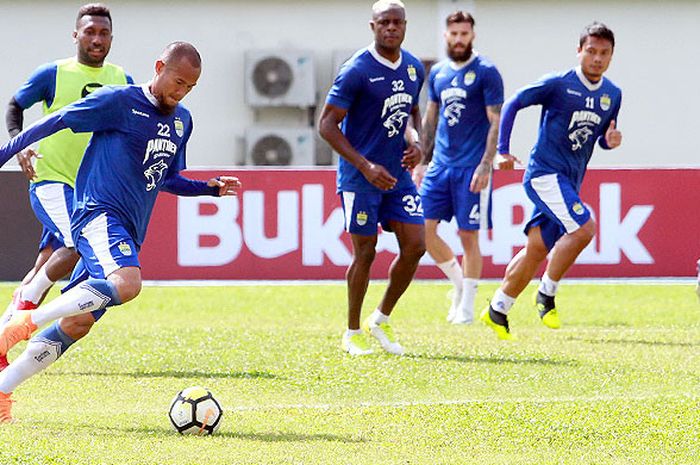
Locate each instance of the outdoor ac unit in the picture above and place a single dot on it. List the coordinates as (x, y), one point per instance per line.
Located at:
(280, 146)
(277, 78)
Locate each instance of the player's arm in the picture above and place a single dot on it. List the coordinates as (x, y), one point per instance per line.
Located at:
(413, 154)
(483, 172)
(39, 87)
(37, 131)
(612, 138)
(219, 186)
(79, 116)
(331, 117)
(429, 126)
(14, 117)
(537, 93)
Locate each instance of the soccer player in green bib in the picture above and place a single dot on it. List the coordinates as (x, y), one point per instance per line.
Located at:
(52, 178)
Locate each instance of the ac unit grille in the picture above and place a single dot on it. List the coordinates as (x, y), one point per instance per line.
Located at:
(272, 77)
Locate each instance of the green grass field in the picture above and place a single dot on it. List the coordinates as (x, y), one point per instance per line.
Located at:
(619, 384)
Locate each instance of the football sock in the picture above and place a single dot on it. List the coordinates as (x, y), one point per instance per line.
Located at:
(547, 286)
(352, 332)
(34, 289)
(378, 317)
(501, 302)
(41, 351)
(88, 296)
(453, 271)
(469, 286)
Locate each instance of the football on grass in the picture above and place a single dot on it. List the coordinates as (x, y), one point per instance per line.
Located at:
(195, 411)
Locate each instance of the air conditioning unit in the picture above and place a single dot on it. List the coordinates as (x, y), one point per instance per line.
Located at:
(276, 78)
(278, 146)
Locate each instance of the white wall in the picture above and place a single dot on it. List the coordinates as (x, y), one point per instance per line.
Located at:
(652, 64)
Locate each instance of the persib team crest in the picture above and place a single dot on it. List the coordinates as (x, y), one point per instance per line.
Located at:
(577, 208)
(125, 249)
(605, 102)
(179, 127)
(412, 73)
(361, 218)
(469, 78)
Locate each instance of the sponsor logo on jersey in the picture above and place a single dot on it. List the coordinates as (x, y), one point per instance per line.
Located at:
(361, 218)
(454, 82)
(396, 105)
(605, 102)
(469, 78)
(577, 208)
(89, 89)
(140, 113)
(579, 138)
(574, 92)
(453, 112)
(154, 174)
(376, 79)
(412, 73)
(179, 127)
(125, 249)
(159, 148)
(584, 117)
(452, 99)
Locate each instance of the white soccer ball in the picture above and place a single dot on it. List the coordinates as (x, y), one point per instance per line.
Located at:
(195, 411)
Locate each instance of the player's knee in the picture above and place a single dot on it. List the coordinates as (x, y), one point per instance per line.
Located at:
(414, 250)
(536, 250)
(365, 254)
(77, 327)
(129, 290)
(588, 231)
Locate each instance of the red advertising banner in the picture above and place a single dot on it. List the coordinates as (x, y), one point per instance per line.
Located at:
(288, 224)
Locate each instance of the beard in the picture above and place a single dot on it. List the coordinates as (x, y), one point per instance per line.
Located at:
(462, 55)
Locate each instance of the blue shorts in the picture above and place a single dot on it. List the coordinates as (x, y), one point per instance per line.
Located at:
(558, 208)
(364, 211)
(104, 246)
(445, 193)
(52, 203)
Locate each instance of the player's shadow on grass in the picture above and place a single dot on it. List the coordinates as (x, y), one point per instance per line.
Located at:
(634, 342)
(494, 359)
(277, 436)
(177, 374)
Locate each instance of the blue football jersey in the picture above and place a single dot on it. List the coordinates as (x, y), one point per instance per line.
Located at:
(134, 148)
(379, 97)
(462, 94)
(575, 114)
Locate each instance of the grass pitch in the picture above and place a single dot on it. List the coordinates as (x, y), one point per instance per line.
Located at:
(618, 384)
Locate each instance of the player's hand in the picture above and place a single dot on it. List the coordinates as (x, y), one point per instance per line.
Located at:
(613, 137)
(506, 161)
(378, 176)
(24, 158)
(480, 179)
(228, 185)
(419, 173)
(412, 156)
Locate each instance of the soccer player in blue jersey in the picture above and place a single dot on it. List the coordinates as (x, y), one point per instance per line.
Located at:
(460, 131)
(374, 95)
(579, 110)
(137, 149)
(57, 84)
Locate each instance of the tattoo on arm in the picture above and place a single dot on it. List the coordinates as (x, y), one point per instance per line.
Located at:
(494, 114)
(428, 135)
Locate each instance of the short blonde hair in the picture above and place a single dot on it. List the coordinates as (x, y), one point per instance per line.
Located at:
(383, 5)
